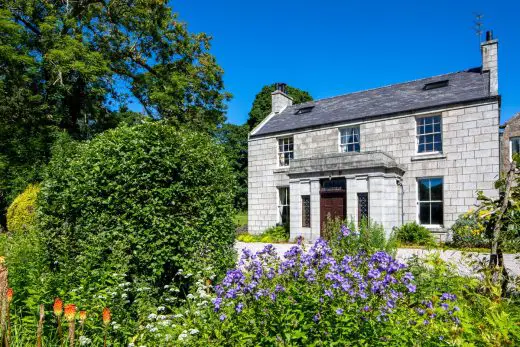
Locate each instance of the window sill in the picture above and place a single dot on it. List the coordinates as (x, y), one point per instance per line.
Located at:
(434, 228)
(281, 169)
(429, 156)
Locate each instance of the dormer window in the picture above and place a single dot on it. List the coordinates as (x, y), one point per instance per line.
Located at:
(436, 85)
(285, 151)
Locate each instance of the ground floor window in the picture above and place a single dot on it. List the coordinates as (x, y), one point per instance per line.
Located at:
(306, 211)
(362, 206)
(283, 205)
(430, 201)
(515, 146)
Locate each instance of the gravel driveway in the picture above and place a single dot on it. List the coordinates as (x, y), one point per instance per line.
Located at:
(461, 259)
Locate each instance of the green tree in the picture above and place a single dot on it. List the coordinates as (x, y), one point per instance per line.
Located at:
(262, 103)
(74, 66)
(234, 139)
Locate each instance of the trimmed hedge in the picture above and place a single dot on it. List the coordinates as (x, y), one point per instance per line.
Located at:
(144, 202)
(415, 234)
(21, 213)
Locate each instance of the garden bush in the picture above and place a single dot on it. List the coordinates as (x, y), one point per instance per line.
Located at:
(21, 213)
(369, 236)
(414, 234)
(469, 231)
(276, 234)
(127, 211)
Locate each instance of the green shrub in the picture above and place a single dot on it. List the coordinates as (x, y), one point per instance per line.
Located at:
(369, 236)
(415, 234)
(276, 234)
(127, 211)
(469, 232)
(21, 213)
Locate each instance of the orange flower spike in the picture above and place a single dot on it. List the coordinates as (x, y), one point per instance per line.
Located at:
(106, 316)
(70, 312)
(82, 316)
(58, 307)
(10, 294)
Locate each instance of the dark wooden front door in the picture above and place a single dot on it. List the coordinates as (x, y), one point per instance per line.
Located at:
(332, 200)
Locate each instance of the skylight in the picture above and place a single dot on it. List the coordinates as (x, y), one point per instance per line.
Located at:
(435, 85)
(303, 110)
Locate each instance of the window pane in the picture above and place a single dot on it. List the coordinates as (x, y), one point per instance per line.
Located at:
(436, 188)
(515, 145)
(424, 190)
(437, 138)
(428, 128)
(356, 147)
(306, 211)
(436, 213)
(437, 127)
(429, 147)
(424, 213)
(421, 148)
(437, 147)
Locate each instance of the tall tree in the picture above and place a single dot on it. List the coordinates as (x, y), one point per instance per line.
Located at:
(74, 66)
(234, 139)
(262, 103)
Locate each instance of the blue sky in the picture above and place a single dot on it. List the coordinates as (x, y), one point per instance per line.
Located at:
(336, 47)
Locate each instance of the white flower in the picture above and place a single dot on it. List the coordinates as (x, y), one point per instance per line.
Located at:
(178, 315)
(131, 344)
(190, 296)
(83, 341)
(161, 308)
(152, 316)
(183, 336)
(194, 331)
(161, 317)
(154, 329)
(124, 296)
(165, 322)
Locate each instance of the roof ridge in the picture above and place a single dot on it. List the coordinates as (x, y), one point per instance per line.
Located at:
(382, 87)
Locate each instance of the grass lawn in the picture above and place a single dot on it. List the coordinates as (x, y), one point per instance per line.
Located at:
(240, 218)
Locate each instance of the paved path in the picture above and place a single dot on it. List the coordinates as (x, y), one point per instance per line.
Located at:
(461, 259)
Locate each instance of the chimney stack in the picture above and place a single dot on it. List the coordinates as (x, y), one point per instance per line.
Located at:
(279, 99)
(489, 50)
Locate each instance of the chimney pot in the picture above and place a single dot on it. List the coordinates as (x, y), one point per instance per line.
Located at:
(489, 35)
(279, 99)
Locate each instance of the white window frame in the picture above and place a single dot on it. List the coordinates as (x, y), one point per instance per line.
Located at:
(285, 203)
(432, 226)
(511, 146)
(344, 146)
(281, 153)
(433, 133)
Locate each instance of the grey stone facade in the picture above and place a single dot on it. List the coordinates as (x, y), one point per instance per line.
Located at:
(387, 167)
(469, 162)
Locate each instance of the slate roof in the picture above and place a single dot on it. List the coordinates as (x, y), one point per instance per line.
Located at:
(464, 86)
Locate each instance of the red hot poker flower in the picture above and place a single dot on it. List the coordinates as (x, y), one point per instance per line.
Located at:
(58, 307)
(10, 294)
(70, 312)
(82, 316)
(106, 316)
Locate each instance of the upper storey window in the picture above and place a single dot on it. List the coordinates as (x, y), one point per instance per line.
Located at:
(349, 139)
(429, 134)
(285, 151)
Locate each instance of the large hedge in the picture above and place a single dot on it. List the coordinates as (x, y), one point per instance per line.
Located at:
(21, 213)
(143, 202)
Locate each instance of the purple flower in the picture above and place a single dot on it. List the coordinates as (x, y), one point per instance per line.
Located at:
(329, 293)
(345, 231)
(411, 287)
(222, 317)
(426, 322)
(239, 307)
(279, 288)
(316, 317)
(216, 304)
(445, 306)
(339, 311)
(448, 297)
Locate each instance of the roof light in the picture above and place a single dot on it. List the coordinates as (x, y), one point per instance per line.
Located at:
(435, 85)
(303, 110)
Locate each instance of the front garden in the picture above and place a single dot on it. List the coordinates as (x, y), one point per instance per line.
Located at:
(128, 241)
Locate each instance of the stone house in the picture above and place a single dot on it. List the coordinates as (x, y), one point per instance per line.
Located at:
(415, 151)
(509, 141)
